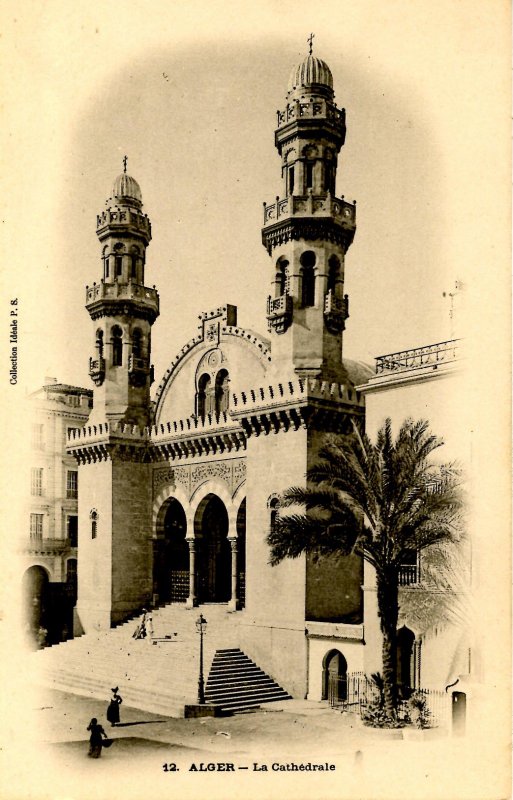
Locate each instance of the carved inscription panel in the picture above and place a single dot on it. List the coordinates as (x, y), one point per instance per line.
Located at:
(231, 471)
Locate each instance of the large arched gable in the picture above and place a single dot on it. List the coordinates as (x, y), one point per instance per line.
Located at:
(243, 355)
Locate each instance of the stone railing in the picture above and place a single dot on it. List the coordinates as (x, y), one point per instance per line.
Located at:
(123, 217)
(408, 575)
(310, 205)
(418, 357)
(129, 291)
(315, 108)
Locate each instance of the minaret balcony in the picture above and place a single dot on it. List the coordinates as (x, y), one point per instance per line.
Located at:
(336, 311)
(118, 219)
(311, 205)
(139, 370)
(97, 370)
(100, 294)
(279, 312)
(317, 108)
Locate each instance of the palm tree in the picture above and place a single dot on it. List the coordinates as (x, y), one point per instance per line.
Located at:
(379, 501)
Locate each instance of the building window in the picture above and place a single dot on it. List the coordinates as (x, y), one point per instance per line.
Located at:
(36, 527)
(291, 180)
(203, 398)
(281, 277)
(333, 273)
(94, 523)
(409, 569)
(307, 279)
(37, 436)
(36, 481)
(118, 260)
(73, 531)
(117, 346)
(222, 397)
(309, 174)
(107, 267)
(273, 504)
(72, 484)
(137, 343)
(134, 255)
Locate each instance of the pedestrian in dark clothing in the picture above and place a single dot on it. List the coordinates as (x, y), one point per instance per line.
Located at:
(95, 740)
(113, 707)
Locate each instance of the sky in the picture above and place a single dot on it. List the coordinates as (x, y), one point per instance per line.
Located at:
(189, 92)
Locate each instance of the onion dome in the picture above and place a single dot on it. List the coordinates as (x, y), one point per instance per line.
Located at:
(126, 187)
(312, 71)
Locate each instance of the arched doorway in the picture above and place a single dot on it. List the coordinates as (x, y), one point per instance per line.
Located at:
(241, 554)
(213, 551)
(171, 555)
(405, 640)
(334, 677)
(36, 600)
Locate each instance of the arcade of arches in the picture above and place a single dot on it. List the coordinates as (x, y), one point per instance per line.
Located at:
(199, 559)
(48, 606)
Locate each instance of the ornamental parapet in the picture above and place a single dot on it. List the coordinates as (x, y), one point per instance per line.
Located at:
(320, 108)
(122, 291)
(338, 209)
(194, 436)
(294, 404)
(118, 218)
(419, 357)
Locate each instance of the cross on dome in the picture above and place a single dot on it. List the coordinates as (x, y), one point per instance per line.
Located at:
(310, 41)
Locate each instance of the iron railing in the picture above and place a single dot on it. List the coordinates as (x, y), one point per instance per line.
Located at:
(418, 357)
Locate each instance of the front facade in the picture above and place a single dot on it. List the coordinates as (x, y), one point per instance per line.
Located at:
(176, 498)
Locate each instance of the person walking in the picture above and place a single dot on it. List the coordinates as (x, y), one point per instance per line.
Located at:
(113, 707)
(95, 739)
(140, 631)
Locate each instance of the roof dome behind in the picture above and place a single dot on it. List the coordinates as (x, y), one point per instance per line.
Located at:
(311, 71)
(126, 186)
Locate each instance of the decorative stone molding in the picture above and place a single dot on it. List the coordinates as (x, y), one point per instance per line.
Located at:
(232, 472)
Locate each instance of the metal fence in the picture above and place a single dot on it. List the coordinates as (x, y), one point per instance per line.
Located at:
(356, 690)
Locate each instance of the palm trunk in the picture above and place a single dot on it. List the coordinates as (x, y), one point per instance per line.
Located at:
(388, 606)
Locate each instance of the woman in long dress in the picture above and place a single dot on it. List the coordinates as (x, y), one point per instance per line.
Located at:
(95, 739)
(113, 707)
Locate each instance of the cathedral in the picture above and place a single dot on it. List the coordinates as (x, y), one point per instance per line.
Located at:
(179, 488)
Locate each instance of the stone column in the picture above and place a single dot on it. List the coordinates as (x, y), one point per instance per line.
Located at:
(233, 601)
(192, 600)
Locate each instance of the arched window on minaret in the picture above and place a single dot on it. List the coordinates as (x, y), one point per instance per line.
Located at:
(333, 272)
(99, 342)
(105, 258)
(290, 175)
(307, 262)
(134, 257)
(222, 391)
(137, 343)
(117, 346)
(118, 260)
(281, 280)
(201, 397)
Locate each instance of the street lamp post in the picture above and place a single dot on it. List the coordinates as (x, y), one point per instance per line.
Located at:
(201, 624)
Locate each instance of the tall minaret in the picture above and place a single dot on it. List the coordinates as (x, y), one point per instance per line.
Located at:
(308, 231)
(123, 309)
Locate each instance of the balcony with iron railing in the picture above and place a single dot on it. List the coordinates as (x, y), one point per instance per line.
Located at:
(418, 357)
(51, 545)
(409, 575)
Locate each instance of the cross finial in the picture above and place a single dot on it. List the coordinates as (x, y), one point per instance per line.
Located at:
(310, 41)
(125, 160)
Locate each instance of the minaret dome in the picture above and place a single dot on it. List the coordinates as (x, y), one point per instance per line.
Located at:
(311, 72)
(126, 189)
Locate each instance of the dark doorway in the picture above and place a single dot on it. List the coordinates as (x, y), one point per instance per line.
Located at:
(334, 676)
(459, 713)
(36, 602)
(171, 555)
(214, 553)
(241, 554)
(405, 640)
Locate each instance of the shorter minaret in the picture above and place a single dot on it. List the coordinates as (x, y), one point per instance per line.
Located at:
(123, 309)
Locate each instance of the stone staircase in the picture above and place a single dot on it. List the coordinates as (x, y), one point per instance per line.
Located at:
(159, 675)
(235, 683)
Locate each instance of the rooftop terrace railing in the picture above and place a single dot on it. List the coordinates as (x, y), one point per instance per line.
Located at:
(418, 357)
